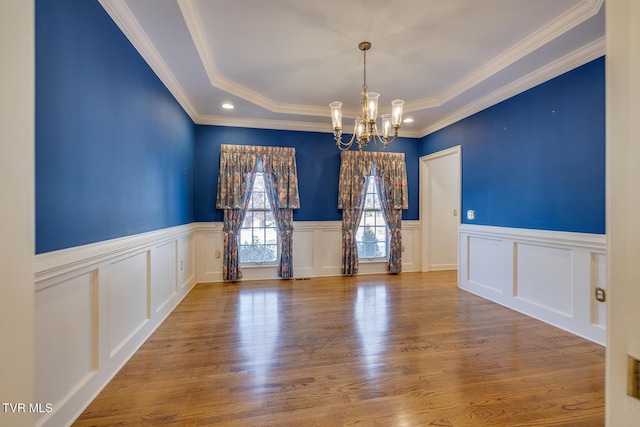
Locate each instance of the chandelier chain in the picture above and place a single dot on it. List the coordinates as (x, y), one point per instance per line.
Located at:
(364, 84)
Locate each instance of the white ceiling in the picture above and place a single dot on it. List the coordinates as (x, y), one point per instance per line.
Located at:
(281, 62)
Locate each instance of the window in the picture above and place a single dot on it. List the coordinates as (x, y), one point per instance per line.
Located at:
(259, 232)
(371, 236)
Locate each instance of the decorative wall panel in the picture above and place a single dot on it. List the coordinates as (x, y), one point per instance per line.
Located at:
(65, 337)
(548, 275)
(484, 268)
(164, 275)
(543, 277)
(94, 310)
(128, 299)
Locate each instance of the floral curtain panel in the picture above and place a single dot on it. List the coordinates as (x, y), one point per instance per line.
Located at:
(284, 220)
(233, 219)
(390, 170)
(238, 160)
(393, 217)
(238, 164)
(356, 165)
(350, 222)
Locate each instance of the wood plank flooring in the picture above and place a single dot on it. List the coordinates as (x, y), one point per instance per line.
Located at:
(382, 350)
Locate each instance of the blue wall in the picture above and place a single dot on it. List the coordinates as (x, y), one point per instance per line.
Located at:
(114, 150)
(536, 160)
(317, 161)
(116, 155)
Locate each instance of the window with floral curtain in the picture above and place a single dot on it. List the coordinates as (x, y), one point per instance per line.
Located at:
(258, 242)
(372, 237)
(390, 173)
(238, 169)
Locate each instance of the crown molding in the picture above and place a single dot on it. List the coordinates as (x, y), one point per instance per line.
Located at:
(264, 123)
(552, 30)
(130, 27)
(575, 59)
(191, 16)
(560, 25)
(596, 4)
(126, 21)
(284, 125)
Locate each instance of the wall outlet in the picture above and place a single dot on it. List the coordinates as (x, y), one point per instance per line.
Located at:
(471, 214)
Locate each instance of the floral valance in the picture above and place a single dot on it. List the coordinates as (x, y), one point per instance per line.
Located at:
(356, 165)
(237, 161)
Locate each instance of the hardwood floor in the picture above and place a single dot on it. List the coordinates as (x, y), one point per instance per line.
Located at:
(381, 350)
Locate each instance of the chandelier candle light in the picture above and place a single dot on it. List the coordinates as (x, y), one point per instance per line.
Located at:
(365, 126)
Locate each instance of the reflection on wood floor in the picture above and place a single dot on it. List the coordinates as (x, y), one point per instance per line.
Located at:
(378, 350)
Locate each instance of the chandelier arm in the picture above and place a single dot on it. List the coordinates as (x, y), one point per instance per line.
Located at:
(340, 143)
(384, 141)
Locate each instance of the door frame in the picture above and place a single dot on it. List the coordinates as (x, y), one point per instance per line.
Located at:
(425, 207)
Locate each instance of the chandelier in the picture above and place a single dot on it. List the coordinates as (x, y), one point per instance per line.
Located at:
(365, 128)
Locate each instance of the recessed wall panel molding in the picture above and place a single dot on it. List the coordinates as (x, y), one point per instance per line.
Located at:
(317, 247)
(543, 277)
(128, 299)
(304, 260)
(548, 275)
(484, 268)
(164, 275)
(328, 249)
(65, 338)
(94, 310)
(209, 244)
(186, 261)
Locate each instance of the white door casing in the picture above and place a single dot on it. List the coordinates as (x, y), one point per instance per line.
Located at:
(440, 204)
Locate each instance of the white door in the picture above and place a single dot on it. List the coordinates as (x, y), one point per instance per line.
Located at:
(623, 207)
(440, 209)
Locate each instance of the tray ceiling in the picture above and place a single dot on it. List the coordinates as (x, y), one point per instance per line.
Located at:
(281, 62)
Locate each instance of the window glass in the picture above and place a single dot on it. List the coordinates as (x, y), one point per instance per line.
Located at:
(372, 236)
(259, 233)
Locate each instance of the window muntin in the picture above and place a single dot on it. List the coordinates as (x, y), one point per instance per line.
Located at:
(259, 232)
(372, 235)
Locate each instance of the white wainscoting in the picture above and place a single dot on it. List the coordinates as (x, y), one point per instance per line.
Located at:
(95, 305)
(317, 249)
(548, 275)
